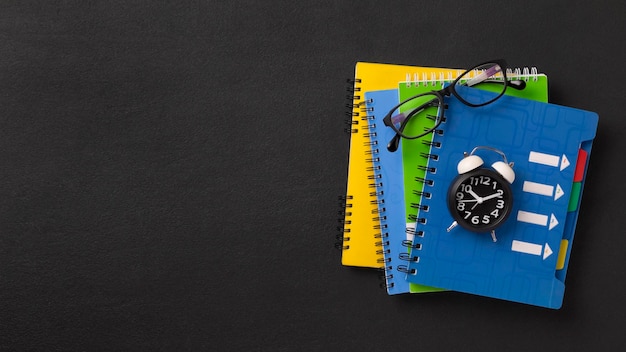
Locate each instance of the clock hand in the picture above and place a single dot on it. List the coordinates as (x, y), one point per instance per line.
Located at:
(495, 195)
(476, 196)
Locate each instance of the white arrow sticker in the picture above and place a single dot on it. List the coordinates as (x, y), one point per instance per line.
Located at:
(546, 251)
(531, 248)
(559, 192)
(553, 222)
(544, 159)
(564, 162)
(532, 218)
(537, 219)
(549, 160)
(538, 188)
(543, 190)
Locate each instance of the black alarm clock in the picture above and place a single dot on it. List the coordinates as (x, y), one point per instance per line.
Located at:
(479, 198)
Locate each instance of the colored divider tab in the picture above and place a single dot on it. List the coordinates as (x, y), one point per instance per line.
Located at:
(560, 260)
(581, 162)
(575, 196)
(579, 174)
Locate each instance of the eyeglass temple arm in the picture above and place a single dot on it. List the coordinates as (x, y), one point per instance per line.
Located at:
(483, 75)
(403, 117)
(518, 84)
(394, 143)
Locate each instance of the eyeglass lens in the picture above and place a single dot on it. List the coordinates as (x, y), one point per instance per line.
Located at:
(417, 116)
(489, 76)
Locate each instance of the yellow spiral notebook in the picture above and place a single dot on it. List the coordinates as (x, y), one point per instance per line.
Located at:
(361, 236)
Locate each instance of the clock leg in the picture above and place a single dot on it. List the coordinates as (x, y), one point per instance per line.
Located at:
(493, 235)
(453, 225)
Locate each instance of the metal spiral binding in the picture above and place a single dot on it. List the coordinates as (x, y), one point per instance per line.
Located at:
(379, 216)
(430, 169)
(370, 135)
(524, 73)
(380, 234)
(383, 250)
(413, 232)
(433, 118)
(375, 185)
(432, 157)
(415, 218)
(432, 79)
(410, 244)
(426, 195)
(383, 260)
(407, 257)
(353, 103)
(429, 156)
(432, 143)
(437, 79)
(344, 219)
(376, 193)
(386, 276)
(412, 255)
(419, 206)
(371, 143)
(380, 227)
(405, 269)
(373, 168)
(424, 181)
(352, 126)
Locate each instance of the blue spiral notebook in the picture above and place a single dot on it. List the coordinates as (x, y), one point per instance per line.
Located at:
(387, 167)
(550, 146)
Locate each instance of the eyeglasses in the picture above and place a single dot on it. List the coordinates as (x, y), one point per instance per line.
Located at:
(430, 105)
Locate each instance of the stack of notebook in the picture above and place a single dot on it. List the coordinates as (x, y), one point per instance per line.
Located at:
(395, 217)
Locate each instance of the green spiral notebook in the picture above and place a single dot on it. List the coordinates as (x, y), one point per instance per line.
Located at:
(414, 160)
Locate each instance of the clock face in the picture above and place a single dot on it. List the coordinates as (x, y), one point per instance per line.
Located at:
(480, 200)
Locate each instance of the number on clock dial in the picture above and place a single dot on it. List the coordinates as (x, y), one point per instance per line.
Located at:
(479, 200)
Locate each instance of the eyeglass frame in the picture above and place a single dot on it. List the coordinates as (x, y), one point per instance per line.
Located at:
(438, 101)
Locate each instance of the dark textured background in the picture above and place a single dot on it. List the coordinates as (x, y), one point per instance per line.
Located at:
(169, 173)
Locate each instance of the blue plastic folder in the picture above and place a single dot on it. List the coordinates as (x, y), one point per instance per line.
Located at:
(550, 146)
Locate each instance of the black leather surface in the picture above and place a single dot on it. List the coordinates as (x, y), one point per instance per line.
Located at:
(169, 174)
